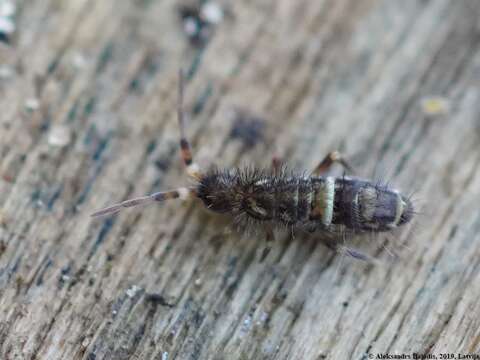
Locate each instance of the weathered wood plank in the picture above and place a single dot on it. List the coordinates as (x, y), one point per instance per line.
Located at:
(88, 118)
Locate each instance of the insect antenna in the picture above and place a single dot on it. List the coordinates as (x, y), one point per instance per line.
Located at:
(192, 168)
(182, 193)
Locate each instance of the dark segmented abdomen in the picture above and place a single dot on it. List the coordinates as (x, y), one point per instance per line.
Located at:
(357, 204)
(327, 201)
(293, 199)
(363, 206)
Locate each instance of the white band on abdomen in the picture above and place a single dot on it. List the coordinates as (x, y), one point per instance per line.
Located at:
(399, 210)
(328, 201)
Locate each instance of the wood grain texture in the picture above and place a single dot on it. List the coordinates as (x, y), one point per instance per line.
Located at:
(88, 95)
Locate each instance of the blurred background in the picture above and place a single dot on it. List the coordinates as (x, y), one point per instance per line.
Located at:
(88, 95)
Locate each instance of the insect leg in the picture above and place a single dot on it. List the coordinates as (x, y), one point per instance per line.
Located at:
(269, 238)
(182, 193)
(345, 250)
(276, 164)
(192, 168)
(331, 158)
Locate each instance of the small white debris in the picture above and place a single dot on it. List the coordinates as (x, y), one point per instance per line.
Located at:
(32, 104)
(6, 72)
(59, 135)
(263, 318)
(247, 324)
(7, 8)
(79, 61)
(198, 282)
(165, 355)
(86, 342)
(7, 25)
(435, 105)
(133, 291)
(190, 26)
(212, 12)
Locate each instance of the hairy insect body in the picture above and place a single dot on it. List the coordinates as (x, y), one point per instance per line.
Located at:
(278, 197)
(314, 202)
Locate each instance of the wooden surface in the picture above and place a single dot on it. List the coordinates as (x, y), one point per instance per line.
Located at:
(88, 94)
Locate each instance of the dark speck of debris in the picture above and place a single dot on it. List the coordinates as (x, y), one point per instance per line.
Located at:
(106, 227)
(64, 276)
(345, 304)
(66, 270)
(202, 100)
(158, 299)
(54, 197)
(198, 21)
(3, 247)
(164, 161)
(4, 38)
(162, 164)
(89, 106)
(247, 128)
(105, 57)
(151, 146)
(36, 198)
(48, 264)
(280, 297)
